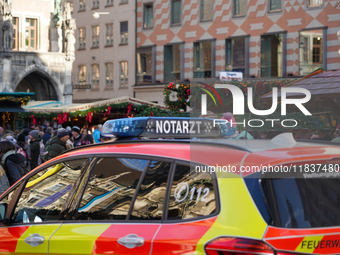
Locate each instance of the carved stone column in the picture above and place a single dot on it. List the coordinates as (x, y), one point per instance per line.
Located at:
(69, 46)
(7, 37)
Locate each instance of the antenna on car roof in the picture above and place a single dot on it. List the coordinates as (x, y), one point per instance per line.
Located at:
(284, 140)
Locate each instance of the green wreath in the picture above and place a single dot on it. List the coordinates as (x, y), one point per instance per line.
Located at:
(183, 93)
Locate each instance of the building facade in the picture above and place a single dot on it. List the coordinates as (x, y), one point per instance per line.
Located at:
(193, 40)
(105, 49)
(33, 49)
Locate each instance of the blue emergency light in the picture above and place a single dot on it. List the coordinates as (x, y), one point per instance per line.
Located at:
(161, 127)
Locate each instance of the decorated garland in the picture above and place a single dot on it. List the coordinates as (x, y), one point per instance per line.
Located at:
(19, 100)
(100, 109)
(181, 92)
(158, 112)
(130, 109)
(6, 117)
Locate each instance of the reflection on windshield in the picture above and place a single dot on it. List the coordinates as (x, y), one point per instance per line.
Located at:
(192, 194)
(110, 189)
(150, 199)
(46, 192)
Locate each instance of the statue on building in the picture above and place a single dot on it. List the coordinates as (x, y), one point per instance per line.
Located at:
(68, 16)
(6, 8)
(37, 62)
(57, 11)
(8, 33)
(70, 40)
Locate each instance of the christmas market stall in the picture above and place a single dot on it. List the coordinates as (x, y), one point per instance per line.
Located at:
(11, 104)
(91, 114)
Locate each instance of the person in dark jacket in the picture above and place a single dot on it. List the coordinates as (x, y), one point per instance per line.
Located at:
(87, 139)
(47, 135)
(8, 129)
(77, 136)
(35, 148)
(26, 133)
(1, 132)
(4, 183)
(58, 143)
(12, 162)
(25, 150)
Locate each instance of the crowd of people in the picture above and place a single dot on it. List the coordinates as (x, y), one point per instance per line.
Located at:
(20, 152)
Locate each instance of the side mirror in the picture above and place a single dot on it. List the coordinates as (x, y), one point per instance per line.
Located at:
(3, 210)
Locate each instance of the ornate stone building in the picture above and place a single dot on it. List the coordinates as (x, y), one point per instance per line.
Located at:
(37, 48)
(179, 40)
(104, 67)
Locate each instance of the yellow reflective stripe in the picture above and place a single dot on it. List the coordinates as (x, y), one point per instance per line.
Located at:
(76, 238)
(238, 216)
(43, 230)
(308, 243)
(45, 175)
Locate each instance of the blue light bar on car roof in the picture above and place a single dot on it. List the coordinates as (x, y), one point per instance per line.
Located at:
(158, 127)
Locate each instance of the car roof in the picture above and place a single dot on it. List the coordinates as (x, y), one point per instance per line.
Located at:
(281, 142)
(266, 144)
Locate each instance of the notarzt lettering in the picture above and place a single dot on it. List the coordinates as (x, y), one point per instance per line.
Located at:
(178, 127)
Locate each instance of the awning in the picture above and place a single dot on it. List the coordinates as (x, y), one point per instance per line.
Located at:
(43, 104)
(324, 84)
(84, 107)
(10, 107)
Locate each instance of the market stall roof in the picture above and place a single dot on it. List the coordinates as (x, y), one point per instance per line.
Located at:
(83, 107)
(320, 84)
(10, 107)
(44, 104)
(17, 94)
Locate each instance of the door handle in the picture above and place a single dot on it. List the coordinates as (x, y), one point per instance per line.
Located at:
(34, 240)
(131, 241)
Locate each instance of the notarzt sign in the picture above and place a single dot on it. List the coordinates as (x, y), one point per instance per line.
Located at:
(180, 127)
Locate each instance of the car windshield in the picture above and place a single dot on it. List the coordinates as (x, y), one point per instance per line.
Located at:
(297, 201)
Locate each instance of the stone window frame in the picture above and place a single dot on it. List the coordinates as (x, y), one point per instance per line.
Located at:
(109, 81)
(82, 5)
(124, 35)
(201, 12)
(110, 35)
(233, 9)
(95, 36)
(171, 17)
(95, 76)
(81, 38)
(126, 78)
(144, 15)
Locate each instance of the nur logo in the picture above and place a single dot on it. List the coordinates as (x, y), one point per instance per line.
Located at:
(238, 99)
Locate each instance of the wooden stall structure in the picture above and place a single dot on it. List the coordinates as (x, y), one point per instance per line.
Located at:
(12, 103)
(87, 114)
